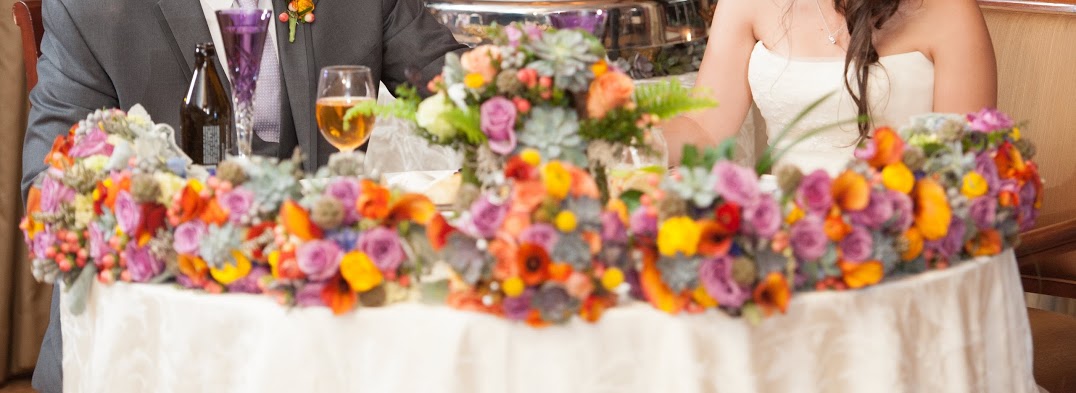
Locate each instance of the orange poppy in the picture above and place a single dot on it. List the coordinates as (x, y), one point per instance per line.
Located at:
(373, 200)
(985, 243)
(533, 264)
(889, 147)
(534, 319)
(296, 221)
(851, 191)
(715, 240)
(58, 156)
(773, 294)
(190, 204)
(836, 228)
(558, 271)
(657, 293)
(213, 213)
(932, 211)
(858, 275)
(594, 240)
(338, 295)
(505, 254)
(437, 231)
(412, 207)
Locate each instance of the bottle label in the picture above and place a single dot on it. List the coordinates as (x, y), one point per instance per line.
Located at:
(211, 145)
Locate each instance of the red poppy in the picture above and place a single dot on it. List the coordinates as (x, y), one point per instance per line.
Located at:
(518, 169)
(728, 215)
(533, 263)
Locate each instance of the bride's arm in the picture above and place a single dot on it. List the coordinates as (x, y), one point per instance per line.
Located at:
(965, 71)
(723, 74)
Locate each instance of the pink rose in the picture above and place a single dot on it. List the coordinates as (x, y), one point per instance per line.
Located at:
(54, 194)
(808, 239)
(514, 34)
(487, 217)
(141, 264)
(540, 234)
(237, 202)
(93, 143)
(736, 184)
(764, 217)
(128, 213)
(188, 236)
(715, 274)
(319, 259)
(498, 116)
(989, 120)
(815, 193)
(384, 249)
(482, 60)
(858, 245)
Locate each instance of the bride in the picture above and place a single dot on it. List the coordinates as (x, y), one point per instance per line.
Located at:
(887, 59)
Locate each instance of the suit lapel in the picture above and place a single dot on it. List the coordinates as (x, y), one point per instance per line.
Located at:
(300, 79)
(185, 20)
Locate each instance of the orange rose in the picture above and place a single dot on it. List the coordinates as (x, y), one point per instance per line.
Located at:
(609, 91)
(481, 60)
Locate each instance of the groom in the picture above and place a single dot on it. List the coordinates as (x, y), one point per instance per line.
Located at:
(117, 53)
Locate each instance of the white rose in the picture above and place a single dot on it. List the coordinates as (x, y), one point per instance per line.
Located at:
(429, 116)
(96, 162)
(170, 186)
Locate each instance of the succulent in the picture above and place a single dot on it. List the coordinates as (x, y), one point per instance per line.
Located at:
(554, 131)
(696, 186)
(571, 249)
(679, 272)
(217, 245)
(566, 56)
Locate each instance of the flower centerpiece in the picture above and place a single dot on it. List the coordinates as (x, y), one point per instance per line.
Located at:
(548, 90)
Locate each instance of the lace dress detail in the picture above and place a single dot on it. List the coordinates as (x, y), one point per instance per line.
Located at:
(901, 87)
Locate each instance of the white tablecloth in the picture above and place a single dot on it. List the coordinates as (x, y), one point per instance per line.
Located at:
(960, 330)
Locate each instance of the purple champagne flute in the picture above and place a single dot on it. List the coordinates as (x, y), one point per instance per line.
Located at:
(243, 31)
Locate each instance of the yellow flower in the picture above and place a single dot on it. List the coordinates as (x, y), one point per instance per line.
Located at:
(303, 5)
(795, 215)
(1015, 133)
(474, 80)
(231, 273)
(556, 179)
(612, 278)
(599, 68)
(360, 272)
(703, 298)
(898, 177)
(531, 156)
(679, 234)
(96, 163)
(565, 221)
(170, 186)
(974, 185)
(513, 286)
(83, 210)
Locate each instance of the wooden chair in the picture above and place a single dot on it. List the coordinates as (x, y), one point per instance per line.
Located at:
(27, 14)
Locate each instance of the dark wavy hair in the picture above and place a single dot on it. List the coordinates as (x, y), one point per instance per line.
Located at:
(863, 19)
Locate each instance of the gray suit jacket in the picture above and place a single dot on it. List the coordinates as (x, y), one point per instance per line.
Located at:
(117, 53)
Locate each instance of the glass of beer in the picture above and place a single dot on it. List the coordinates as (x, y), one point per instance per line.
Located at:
(339, 89)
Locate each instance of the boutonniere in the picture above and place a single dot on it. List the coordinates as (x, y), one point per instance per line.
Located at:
(299, 11)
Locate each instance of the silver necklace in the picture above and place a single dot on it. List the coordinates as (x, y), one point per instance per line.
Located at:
(832, 35)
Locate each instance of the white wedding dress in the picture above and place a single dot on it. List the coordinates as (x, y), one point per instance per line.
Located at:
(901, 87)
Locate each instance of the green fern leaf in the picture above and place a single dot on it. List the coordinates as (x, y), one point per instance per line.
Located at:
(666, 100)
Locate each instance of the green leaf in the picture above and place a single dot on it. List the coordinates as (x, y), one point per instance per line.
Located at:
(690, 156)
(468, 122)
(80, 289)
(666, 100)
(291, 29)
(434, 292)
(403, 108)
(631, 199)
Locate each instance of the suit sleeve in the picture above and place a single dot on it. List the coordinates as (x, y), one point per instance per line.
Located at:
(71, 84)
(413, 39)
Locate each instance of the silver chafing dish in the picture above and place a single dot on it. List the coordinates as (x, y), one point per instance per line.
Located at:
(646, 38)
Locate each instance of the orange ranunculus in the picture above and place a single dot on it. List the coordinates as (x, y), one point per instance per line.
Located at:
(303, 5)
(213, 213)
(58, 156)
(1009, 161)
(505, 254)
(914, 247)
(836, 228)
(609, 91)
(515, 222)
(558, 271)
(851, 191)
(657, 293)
(416, 208)
(338, 295)
(715, 240)
(889, 147)
(932, 211)
(284, 266)
(482, 60)
(583, 184)
(773, 294)
(985, 243)
(296, 221)
(373, 200)
(193, 267)
(437, 232)
(858, 275)
(190, 205)
(533, 264)
(527, 195)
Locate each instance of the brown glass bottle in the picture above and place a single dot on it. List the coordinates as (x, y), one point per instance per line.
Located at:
(207, 112)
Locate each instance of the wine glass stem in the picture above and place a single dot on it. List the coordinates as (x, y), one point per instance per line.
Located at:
(244, 126)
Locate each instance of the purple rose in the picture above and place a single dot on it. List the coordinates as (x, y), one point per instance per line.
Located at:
(487, 217)
(989, 120)
(318, 259)
(613, 229)
(983, 212)
(141, 264)
(716, 277)
(815, 193)
(543, 235)
(953, 241)
(93, 143)
(128, 213)
(763, 218)
(808, 239)
(383, 247)
(310, 295)
(519, 307)
(878, 211)
(42, 242)
(347, 192)
(249, 283)
(858, 245)
(644, 224)
(498, 118)
(735, 183)
(98, 245)
(985, 166)
(514, 34)
(188, 237)
(237, 202)
(902, 211)
(54, 194)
